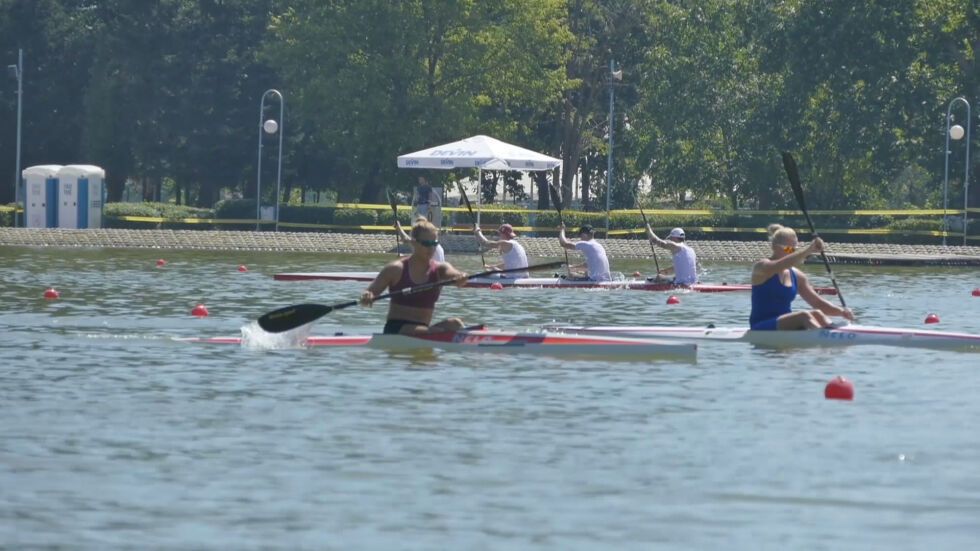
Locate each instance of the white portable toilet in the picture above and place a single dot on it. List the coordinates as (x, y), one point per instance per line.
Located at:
(40, 196)
(81, 189)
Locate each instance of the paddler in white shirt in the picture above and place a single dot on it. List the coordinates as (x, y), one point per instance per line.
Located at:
(510, 250)
(596, 263)
(439, 255)
(685, 260)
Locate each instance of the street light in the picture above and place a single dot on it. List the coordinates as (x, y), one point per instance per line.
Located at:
(17, 72)
(269, 126)
(956, 132)
(613, 76)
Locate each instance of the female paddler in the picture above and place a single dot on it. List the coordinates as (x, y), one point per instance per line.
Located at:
(776, 282)
(412, 313)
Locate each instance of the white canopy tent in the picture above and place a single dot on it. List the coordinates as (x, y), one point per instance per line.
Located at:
(482, 153)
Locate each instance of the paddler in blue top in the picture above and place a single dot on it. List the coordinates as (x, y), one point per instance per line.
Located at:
(776, 282)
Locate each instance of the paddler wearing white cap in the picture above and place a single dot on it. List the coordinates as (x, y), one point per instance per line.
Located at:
(685, 260)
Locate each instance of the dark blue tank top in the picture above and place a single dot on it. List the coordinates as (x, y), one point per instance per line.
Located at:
(771, 298)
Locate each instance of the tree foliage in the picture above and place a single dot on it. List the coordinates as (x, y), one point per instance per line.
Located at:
(711, 91)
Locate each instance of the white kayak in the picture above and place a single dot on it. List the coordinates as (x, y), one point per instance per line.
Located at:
(634, 284)
(845, 335)
(483, 340)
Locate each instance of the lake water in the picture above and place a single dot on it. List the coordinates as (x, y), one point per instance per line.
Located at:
(115, 436)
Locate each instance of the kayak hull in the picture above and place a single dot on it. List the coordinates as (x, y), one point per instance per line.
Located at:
(544, 343)
(847, 335)
(546, 282)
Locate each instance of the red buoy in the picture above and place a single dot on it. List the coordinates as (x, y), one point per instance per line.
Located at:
(200, 310)
(242, 268)
(637, 274)
(932, 318)
(51, 293)
(976, 292)
(496, 286)
(673, 300)
(839, 389)
(161, 262)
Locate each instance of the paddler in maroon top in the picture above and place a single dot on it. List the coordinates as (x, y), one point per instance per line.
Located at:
(412, 313)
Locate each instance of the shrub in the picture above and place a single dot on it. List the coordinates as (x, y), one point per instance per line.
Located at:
(513, 215)
(307, 214)
(355, 217)
(114, 212)
(7, 216)
(387, 217)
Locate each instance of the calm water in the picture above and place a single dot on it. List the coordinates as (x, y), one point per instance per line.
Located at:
(112, 435)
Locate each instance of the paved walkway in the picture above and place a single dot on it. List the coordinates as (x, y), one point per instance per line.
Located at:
(736, 251)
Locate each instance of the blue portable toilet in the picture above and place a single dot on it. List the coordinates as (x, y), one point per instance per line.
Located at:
(81, 192)
(40, 196)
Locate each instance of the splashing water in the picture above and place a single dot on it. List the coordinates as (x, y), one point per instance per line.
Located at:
(255, 338)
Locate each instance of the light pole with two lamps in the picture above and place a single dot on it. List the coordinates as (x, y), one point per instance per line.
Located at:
(17, 72)
(956, 132)
(269, 126)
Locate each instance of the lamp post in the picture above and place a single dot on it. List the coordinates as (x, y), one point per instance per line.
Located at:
(268, 127)
(956, 132)
(613, 76)
(17, 72)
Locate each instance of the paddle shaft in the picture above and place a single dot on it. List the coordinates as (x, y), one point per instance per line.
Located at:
(794, 179)
(297, 315)
(466, 201)
(653, 248)
(556, 199)
(394, 210)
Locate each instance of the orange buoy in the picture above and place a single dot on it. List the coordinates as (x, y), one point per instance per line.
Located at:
(51, 293)
(839, 389)
(932, 318)
(673, 300)
(200, 310)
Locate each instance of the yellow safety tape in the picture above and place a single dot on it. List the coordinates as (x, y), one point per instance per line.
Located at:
(525, 229)
(691, 212)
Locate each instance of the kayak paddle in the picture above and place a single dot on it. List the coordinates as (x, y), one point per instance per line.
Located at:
(556, 199)
(296, 315)
(466, 201)
(394, 209)
(652, 248)
(794, 179)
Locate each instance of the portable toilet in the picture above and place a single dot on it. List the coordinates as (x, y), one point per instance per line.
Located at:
(81, 189)
(40, 196)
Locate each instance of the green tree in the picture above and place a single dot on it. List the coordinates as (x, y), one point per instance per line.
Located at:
(375, 79)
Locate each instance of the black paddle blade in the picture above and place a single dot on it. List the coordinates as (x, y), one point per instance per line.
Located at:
(392, 202)
(293, 316)
(462, 194)
(794, 178)
(555, 197)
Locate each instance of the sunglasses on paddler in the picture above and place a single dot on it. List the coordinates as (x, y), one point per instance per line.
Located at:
(427, 243)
